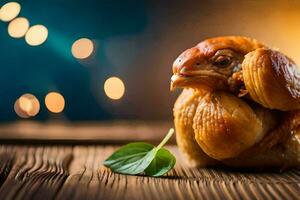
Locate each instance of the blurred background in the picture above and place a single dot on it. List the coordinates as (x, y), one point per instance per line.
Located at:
(111, 59)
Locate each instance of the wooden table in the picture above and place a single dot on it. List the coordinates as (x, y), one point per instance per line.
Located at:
(74, 170)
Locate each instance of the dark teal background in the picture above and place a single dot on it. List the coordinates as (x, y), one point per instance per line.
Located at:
(48, 67)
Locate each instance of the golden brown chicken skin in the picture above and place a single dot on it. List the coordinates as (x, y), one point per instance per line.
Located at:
(239, 104)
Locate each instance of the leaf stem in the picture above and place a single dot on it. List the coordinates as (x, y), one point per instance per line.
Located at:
(165, 140)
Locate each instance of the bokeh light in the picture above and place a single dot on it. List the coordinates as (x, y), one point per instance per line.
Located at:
(36, 35)
(27, 106)
(18, 27)
(9, 11)
(114, 88)
(55, 102)
(19, 111)
(82, 48)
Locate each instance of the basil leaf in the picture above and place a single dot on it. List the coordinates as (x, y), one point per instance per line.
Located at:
(132, 158)
(138, 157)
(163, 162)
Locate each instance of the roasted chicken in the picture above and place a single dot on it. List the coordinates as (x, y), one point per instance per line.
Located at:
(239, 104)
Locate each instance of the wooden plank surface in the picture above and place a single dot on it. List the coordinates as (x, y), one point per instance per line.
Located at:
(84, 132)
(76, 172)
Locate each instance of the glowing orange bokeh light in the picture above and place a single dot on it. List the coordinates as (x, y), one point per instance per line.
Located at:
(27, 106)
(9, 11)
(18, 27)
(114, 88)
(55, 102)
(82, 48)
(36, 35)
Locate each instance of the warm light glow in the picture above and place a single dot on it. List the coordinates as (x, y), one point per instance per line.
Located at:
(114, 88)
(36, 35)
(9, 11)
(55, 102)
(19, 111)
(27, 106)
(82, 48)
(18, 27)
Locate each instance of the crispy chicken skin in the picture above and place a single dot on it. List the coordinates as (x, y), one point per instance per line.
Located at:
(238, 106)
(184, 112)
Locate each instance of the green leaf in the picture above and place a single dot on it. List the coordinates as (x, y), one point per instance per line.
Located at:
(163, 162)
(138, 157)
(132, 158)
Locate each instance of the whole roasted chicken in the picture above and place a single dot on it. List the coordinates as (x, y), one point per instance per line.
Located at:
(239, 106)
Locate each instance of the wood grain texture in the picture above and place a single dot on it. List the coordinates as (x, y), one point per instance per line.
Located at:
(76, 172)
